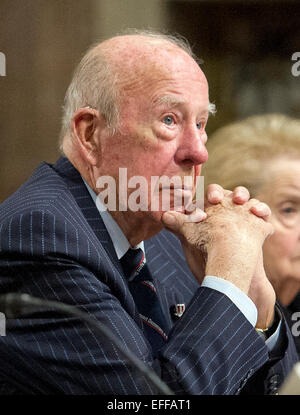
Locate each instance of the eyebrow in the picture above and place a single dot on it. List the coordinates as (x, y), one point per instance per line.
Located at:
(292, 193)
(172, 101)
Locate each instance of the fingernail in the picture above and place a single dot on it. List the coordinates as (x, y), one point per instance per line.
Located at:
(198, 217)
(216, 195)
(169, 219)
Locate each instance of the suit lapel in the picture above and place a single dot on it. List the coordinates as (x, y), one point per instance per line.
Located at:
(160, 251)
(87, 206)
(161, 267)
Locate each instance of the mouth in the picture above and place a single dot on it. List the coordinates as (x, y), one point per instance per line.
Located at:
(176, 192)
(174, 188)
(182, 195)
(177, 198)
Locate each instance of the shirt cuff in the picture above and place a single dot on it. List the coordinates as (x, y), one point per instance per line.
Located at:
(242, 301)
(272, 340)
(237, 296)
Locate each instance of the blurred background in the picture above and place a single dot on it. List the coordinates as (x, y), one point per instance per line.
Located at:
(246, 47)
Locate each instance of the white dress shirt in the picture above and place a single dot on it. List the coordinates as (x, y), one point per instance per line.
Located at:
(237, 296)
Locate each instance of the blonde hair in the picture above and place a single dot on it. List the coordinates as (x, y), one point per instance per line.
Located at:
(240, 152)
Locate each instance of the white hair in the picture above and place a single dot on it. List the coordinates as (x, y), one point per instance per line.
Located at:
(94, 83)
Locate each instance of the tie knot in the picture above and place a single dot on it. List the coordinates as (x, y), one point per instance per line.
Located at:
(132, 262)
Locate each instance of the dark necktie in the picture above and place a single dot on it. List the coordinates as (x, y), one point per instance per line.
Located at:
(142, 288)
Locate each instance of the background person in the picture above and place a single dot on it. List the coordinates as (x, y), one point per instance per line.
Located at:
(263, 154)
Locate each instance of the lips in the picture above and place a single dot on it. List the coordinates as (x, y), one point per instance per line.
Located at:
(180, 198)
(183, 188)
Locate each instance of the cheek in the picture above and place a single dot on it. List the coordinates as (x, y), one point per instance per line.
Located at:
(149, 163)
(278, 253)
(281, 244)
(156, 160)
(275, 259)
(285, 240)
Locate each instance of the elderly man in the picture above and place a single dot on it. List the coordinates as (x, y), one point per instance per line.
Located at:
(191, 299)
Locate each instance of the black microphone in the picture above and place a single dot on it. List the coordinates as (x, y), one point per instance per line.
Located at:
(15, 305)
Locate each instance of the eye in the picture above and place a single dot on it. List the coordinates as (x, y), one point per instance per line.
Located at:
(168, 120)
(200, 125)
(287, 210)
(289, 214)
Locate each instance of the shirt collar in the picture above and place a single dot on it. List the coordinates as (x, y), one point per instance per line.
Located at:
(119, 240)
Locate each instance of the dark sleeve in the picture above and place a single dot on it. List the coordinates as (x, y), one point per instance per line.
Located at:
(292, 315)
(269, 378)
(48, 352)
(212, 349)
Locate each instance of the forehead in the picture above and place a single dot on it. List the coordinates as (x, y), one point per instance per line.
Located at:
(166, 76)
(284, 177)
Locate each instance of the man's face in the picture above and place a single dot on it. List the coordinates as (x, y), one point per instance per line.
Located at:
(163, 115)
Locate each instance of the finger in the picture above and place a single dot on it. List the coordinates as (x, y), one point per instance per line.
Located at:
(214, 193)
(175, 220)
(240, 195)
(261, 210)
(196, 216)
(268, 229)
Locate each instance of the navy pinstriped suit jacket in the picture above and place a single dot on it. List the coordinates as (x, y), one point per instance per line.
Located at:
(53, 245)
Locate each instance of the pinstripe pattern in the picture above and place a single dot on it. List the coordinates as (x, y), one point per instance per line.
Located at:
(53, 244)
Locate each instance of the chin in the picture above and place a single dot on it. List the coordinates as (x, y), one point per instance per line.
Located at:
(156, 217)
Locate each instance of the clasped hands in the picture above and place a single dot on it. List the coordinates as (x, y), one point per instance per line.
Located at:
(226, 241)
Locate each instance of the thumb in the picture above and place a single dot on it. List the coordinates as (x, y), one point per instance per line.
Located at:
(175, 220)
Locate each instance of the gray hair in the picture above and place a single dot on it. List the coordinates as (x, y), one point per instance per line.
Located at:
(94, 83)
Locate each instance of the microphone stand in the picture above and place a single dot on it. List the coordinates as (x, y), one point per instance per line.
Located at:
(14, 305)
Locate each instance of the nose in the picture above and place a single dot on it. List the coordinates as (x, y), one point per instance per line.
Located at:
(192, 151)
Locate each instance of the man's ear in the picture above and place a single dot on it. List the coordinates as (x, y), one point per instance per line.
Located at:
(86, 125)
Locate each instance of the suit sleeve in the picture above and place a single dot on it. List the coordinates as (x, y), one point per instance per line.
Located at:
(212, 350)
